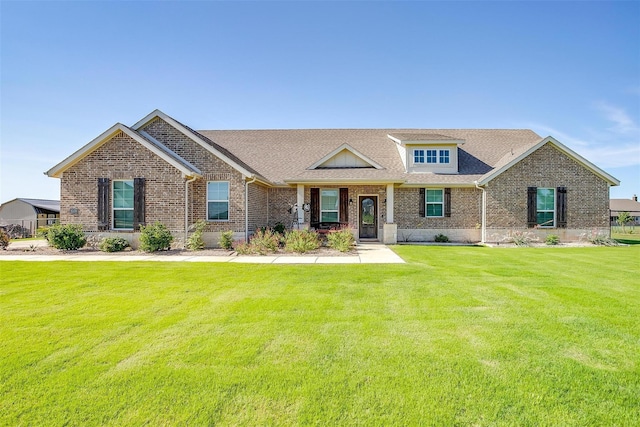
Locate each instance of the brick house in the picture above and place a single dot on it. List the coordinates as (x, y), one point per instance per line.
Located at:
(386, 184)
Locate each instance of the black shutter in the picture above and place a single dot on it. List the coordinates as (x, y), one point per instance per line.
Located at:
(103, 204)
(421, 207)
(447, 202)
(315, 207)
(532, 207)
(344, 205)
(138, 202)
(561, 207)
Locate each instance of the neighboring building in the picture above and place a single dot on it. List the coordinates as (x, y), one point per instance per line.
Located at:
(27, 215)
(625, 205)
(387, 184)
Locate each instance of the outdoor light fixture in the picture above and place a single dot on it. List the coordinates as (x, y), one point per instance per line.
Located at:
(350, 201)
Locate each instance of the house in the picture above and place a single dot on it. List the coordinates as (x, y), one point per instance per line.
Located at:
(386, 184)
(632, 206)
(24, 216)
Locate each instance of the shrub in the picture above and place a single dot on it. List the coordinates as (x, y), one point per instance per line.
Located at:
(16, 231)
(66, 237)
(279, 228)
(264, 241)
(226, 240)
(301, 241)
(520, 238)
(113, 244)
(4, 239)
(243, 247)
(341, 240)
(552, 239)
(599, 239)
(43, 233)
(195, 241)
(155, 237)
(441, 238)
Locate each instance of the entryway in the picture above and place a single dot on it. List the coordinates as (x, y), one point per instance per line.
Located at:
(368, 217)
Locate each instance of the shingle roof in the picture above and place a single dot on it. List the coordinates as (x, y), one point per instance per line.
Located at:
(49, 205)
(624, 205)
(283, 156)
(421, 137)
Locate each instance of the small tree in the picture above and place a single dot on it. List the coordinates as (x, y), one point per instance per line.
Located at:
(623, 219)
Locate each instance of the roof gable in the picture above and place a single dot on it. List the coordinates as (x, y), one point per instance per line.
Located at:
(345, 157)
(512, 158)
(154, 146)
(203, 141)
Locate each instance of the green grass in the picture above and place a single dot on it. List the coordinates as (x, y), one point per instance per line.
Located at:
(630, 235)
(458, 336)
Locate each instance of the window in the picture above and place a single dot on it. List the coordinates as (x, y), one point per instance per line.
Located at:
(418, 156)
(123, 204)
(545, 207)
(217, 201)
(432, 156)
(435, 203)
(329, 202)
(444, 156)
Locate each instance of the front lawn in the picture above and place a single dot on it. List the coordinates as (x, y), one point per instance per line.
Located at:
(458, 336)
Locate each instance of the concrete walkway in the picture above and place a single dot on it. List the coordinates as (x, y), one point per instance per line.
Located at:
(367, 253)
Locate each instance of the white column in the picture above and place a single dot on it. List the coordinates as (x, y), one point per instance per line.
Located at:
(389, 203)
(300, 202)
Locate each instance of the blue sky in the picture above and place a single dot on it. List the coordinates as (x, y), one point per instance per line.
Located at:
(70, 70)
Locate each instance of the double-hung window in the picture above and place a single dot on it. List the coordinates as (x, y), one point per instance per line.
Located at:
(329, 205)
(435, 203)
(418, 156)
(545, 207)
(217, 201)
(123, 204)
(444, 156)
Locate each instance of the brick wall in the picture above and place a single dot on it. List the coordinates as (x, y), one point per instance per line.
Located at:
(122, 158)
(213, 168)
(587, 194)
(258, 206)
(279, 202)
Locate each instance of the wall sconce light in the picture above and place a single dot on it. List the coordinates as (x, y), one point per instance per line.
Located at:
(384, 201)
(350, 201)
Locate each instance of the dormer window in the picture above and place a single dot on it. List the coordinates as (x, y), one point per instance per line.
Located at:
(418, 156)
(421, 156)
(444, 156)
(428, 153)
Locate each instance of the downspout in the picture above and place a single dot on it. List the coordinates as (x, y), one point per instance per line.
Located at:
(483, 235)
(246, 207)
(186, 207)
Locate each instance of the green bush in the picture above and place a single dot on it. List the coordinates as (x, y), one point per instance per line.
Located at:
(243, 248)
(113, 244)
(264, 241)
(301, 241)
(43, 233)
(341, 240)
(66, 237)
(279, 228)
(226, 240)
(155, 237)
(195, 241)
(552, 239)
(441, 238)
(4, 239)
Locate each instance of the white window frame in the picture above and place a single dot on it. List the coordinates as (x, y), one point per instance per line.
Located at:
(336, 210)
(418, 153)
(114, 209)
(219, 201)
(427, 203)
(555, 194)
(428, 156)
(447, 156)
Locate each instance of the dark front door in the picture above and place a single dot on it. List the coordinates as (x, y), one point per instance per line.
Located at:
(368, 217)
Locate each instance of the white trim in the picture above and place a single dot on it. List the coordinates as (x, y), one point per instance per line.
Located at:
(426, 202)
(549, 139)
(104, 137)
(555, 205)
(352, 151)
(337, 210)
(189, 134)
(113, 208)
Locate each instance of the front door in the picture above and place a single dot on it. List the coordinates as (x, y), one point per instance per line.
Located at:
(368, 217)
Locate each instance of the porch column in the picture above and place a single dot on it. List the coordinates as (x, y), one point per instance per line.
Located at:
(300, 202)
(389, 204)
